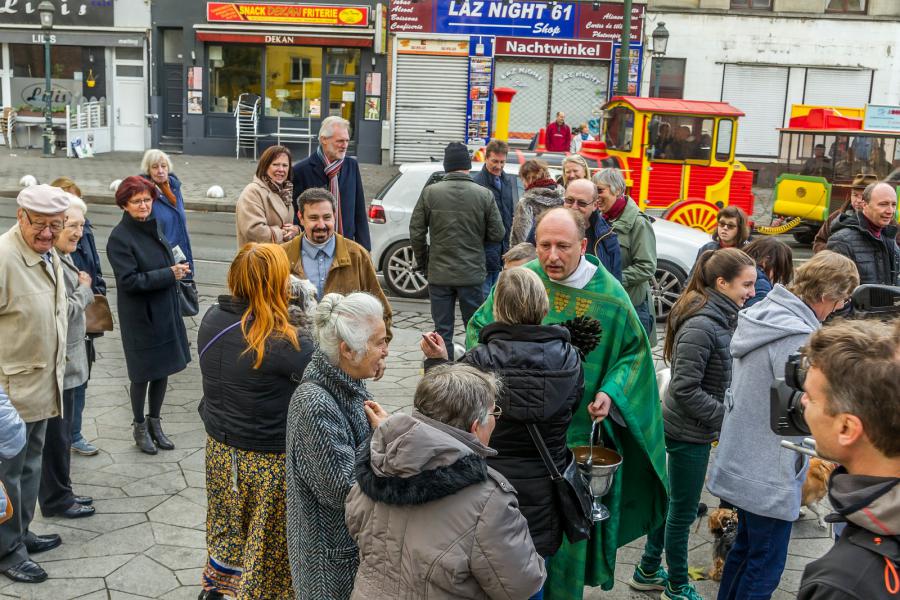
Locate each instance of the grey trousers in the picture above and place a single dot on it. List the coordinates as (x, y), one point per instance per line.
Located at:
(21, 476)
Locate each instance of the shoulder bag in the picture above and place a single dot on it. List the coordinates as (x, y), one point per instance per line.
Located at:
(188, 298)
(97, 315)
(571, 491)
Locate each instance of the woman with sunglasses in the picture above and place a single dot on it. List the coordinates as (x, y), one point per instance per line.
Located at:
(153, 333)
(732, 230)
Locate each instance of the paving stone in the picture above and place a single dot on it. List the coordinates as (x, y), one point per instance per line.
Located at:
(135, 456)
(179, 511)
(195, 479)
(196, 461)
(102, 479)
(144, 577)
(138, 504)
(195, 495)
(99, 566)
(140, 471)
(98, 595)
(61, 589)
(176, 557)
(178, 536)
(189, 576)
(97, 492)
(117, 595)
(188, 592)
(104, 523)
(171, 482)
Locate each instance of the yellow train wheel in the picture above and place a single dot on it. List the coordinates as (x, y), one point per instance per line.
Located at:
(698, 214)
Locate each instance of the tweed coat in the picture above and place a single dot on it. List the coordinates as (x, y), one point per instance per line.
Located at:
(326, 430)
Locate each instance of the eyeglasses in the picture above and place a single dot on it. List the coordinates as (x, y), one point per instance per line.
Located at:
(497, 412)
(53, 226)
(728, 226)
(569, 202)
(137, 201)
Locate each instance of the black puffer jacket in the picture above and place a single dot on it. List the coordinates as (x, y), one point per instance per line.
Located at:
(543, 382)
(245, 407)
(701, 372)
(877, 260)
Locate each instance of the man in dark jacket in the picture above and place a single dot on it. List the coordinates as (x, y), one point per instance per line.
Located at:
(329, 167)
(505, 188)
(856, 422)
(461, 217)
(867, 237)
(581, 195)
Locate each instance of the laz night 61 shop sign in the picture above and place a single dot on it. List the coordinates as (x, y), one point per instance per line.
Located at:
(288, 14)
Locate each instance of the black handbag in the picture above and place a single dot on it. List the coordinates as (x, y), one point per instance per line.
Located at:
(188, 298)
(571, 489)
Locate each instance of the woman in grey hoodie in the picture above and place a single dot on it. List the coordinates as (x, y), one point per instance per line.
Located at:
(751, 470)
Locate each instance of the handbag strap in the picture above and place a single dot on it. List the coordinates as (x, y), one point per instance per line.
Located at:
(543, 451)
(217, 336)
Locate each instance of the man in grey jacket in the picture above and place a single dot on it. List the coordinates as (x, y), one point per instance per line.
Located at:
(751, 469)
(460, 217)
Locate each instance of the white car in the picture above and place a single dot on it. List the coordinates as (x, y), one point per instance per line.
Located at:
(390, 211)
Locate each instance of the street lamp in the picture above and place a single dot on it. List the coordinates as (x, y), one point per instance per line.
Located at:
(660, 37)
(46, 10)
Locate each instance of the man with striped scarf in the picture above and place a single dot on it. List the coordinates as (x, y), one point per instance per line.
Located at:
(329, 167)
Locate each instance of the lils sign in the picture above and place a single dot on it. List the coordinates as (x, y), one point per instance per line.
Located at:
(288, 14)
(68, 12)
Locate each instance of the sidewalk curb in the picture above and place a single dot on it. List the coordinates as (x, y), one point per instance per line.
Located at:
(108, 199)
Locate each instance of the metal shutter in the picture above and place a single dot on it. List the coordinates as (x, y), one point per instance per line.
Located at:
(837, 87)
(760, 92)
(430, 105)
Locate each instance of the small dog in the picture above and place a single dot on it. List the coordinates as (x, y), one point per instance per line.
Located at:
(815, 488)
(723, 524)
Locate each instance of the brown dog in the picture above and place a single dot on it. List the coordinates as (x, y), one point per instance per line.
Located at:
(815, 487)
(723, 526)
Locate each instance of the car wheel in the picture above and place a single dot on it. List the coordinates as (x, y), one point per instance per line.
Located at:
(399, 270)
(666, 286)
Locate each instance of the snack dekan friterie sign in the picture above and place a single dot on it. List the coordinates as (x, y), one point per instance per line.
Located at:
(290, 14)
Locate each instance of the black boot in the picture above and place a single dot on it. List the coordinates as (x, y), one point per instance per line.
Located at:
(210, 595)
(142, 438)
(158, 435)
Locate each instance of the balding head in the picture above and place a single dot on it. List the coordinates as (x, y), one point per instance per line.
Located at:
(581, 195)
(560, 241)
(880, 203)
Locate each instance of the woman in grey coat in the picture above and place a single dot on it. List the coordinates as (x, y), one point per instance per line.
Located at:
(330, 417)
(56, 497)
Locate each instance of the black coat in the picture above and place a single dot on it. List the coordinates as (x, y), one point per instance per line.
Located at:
(245, 407)
(877, 260)
(543, 382)
(701, 372)
(87, 259)
(153, 333)
(506, 198)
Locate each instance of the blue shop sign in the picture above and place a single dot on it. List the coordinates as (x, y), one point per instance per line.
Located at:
(499, 17)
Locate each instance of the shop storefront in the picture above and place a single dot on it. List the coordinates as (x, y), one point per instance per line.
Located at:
(304, 62)
(94, 61)
(449, 55)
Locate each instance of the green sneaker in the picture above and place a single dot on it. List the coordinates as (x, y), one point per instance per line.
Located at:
(646, 582)
(684, 592)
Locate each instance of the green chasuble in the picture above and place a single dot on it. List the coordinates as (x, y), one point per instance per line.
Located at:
(621, 366)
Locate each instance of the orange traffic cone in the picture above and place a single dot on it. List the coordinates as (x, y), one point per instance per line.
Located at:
(542, 141)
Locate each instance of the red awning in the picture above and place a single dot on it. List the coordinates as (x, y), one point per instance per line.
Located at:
(674, 105)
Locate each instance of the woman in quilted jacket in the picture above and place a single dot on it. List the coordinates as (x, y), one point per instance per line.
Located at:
(698, 337)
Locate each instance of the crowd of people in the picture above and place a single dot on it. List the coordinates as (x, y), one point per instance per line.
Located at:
(315, 491)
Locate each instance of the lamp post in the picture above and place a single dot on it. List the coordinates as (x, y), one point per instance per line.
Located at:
(46, 10)
(624, 50)
(660, 37)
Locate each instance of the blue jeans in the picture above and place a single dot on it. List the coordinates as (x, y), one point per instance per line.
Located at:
(443, 308)
(489, 282)
(77, 409)
(646, 319)
(756, 561)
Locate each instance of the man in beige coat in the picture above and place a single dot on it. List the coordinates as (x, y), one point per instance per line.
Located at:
(33, 327)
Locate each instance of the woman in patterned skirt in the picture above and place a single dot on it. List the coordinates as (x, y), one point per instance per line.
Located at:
(331, 417)
(251, 359)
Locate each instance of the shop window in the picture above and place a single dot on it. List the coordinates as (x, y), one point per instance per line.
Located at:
(293, 81)
(343, 61)
(531, 80)
(173, 45)
(752, 4)
(619, 129)
(846, 6)
(129, 71)
(123, 53)
(671, 77)
(71, 68)
(724, 139)
(579, 91)
(681, 138)
(233, 70)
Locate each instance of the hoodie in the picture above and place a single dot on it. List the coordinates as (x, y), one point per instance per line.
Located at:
(751, 470)
(863, 565)
(432, 520)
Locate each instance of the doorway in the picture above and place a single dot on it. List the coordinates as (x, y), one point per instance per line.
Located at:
(131, 100)
(172, 90)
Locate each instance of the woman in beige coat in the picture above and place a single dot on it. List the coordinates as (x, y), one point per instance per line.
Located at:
(264, 210)
(431, 519)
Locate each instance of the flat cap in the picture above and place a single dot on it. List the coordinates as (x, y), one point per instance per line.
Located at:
(44, 199)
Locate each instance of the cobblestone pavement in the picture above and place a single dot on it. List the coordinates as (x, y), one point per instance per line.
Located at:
(197, 174)
(147, 539)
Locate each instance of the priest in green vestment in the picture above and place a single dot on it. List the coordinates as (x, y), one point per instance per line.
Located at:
(619, 389)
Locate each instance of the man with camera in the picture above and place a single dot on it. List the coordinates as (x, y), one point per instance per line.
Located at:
(855, 421)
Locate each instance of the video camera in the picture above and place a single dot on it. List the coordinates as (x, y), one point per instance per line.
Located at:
(786, 410)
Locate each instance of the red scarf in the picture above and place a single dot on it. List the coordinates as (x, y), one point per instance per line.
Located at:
(874, 229)
(544, 183)
(616, 210)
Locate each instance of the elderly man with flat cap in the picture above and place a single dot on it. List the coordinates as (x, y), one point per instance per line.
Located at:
(33, 327)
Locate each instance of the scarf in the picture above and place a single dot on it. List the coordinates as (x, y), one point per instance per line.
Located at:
(332, 171)
(285, 191)
(616, 210)
(166, 189)
(874, 229)
(547, 183)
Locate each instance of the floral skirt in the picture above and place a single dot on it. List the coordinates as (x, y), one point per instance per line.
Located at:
(245, 524)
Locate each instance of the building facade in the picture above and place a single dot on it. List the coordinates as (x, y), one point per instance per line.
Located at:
(98, 53)
(304, 62)
(763, 56)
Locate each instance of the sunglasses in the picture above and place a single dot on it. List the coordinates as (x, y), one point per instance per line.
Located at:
(569, 202)
(728, 226)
